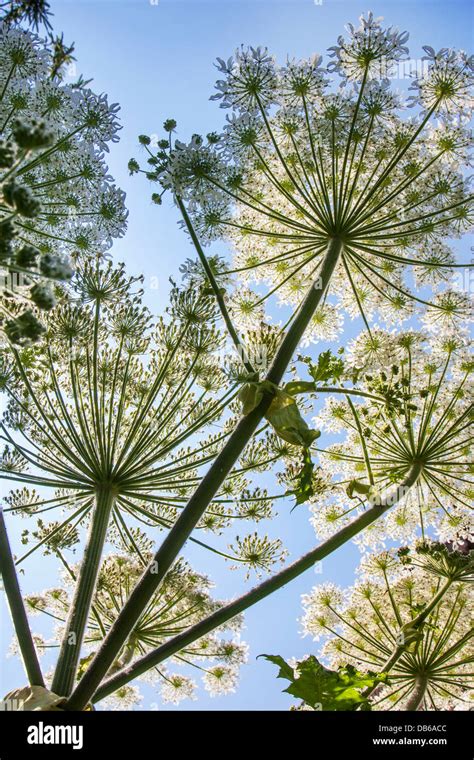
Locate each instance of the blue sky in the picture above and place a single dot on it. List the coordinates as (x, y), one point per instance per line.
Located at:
(156, 61)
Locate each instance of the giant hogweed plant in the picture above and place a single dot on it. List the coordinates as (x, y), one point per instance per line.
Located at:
(402, 468)
(336, 194)
(354, 214)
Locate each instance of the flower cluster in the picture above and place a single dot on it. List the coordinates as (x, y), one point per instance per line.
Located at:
(406, 616)
(404, 400)
(56, 196)
(182, 600)
(131, 401)
(123, 395)
(369, 51)
(298, 165)
(447, 87)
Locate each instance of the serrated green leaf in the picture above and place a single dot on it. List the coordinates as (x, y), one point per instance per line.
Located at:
(328, 367)
(324, 689)
(303, 489)
(286, 671)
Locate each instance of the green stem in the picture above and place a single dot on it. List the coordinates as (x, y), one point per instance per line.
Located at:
(241, 350)
(17, 608)
(74, 578)
(66, 668)
(205, 492)
(261, 591)
(418, 692)
(303, 386)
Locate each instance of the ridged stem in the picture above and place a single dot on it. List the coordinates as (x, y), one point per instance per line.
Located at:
(17, 608)
(66, 667)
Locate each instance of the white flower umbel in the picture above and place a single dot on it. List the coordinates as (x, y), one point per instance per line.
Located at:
(182, 600)
(298, 166)
(176, 688)
(406, 401)
(57, 197)
(220, 680)
(406, 617)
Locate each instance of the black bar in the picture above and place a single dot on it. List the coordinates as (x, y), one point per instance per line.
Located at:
(325, 735)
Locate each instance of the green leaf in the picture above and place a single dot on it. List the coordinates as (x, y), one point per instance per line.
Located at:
(356, 487)
(324, 689)
(251, 393)
(286, 671)
(84, 663)
(303, 489)
(327, 368)
(300, 386)
(283, 413)
(285, 417)
(411, 637)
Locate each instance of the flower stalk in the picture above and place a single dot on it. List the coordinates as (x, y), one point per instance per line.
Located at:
(215, 288)
(68, 659)
(419, 690)
(17, 608)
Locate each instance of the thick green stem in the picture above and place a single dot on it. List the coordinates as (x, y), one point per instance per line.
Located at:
(418, 692)
(261, 591)
(17, 608)
(66, 668)
(205, 492)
